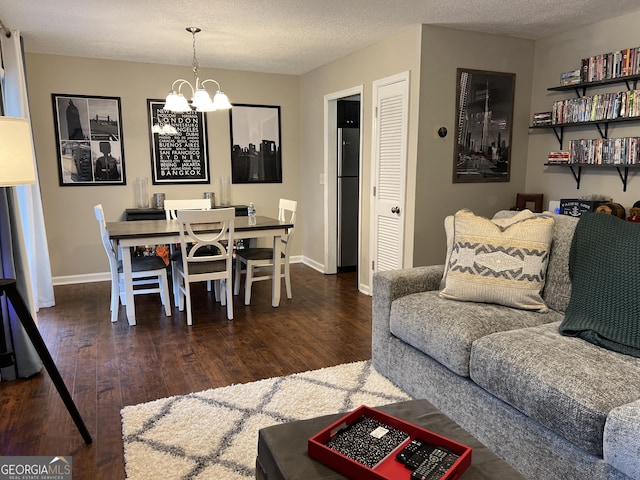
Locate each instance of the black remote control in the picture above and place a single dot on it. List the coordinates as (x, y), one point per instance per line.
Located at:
(418, 458)
(435, 466)
(411, 448)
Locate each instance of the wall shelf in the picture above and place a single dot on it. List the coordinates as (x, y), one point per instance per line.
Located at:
(576, 170)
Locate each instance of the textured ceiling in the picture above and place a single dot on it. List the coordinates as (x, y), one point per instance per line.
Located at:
(276, 36)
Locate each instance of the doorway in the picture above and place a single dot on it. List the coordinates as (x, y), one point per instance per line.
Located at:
(348, 183)
(342, 182)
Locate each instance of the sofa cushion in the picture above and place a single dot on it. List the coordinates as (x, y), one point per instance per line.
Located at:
(604, 266)
(445, 330)
(557, 288)
(495, 264)
(563, 383)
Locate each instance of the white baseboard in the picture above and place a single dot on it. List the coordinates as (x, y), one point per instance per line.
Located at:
(106, 276)
(84, 278)
(313, 264)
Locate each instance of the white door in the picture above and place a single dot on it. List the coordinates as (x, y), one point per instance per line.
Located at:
(391, 109)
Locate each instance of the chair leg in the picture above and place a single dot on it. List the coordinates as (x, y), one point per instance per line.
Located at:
(228, 294)
(187, 296)
(164, 289)
(287, 280)
(220, 295)
(179, 291)
(236, 283)
(115, 299)
(248, 280)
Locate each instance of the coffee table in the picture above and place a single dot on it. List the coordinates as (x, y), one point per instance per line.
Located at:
(282, 449)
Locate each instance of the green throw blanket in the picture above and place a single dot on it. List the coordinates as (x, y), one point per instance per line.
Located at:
(604, 266)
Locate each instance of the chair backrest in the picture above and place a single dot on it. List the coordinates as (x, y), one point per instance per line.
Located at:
(287, 213)
(104, 235)
(172, 206)
(196, 244)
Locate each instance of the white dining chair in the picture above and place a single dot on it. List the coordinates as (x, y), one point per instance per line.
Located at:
(205, 256)
(259, 261)
(170, 209)
(148, 272)
(172, 206)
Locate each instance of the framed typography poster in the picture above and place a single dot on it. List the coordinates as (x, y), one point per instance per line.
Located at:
(179, 148)
(88, 140)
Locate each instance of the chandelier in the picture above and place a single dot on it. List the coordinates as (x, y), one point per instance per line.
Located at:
(200, 100)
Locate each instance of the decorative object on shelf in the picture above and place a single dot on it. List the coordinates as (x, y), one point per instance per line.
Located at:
(611, 208)
(256, 155)
(140, 192)
(201, 100)
(183, 157)
(225, 196)
(484, 116)
(158, 200)
(88, 140)
(634, 213)
(575, 207)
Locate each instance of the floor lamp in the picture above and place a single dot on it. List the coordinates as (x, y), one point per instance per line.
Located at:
(17, 168)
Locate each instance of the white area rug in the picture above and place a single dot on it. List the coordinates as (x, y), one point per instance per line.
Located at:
(214, 434)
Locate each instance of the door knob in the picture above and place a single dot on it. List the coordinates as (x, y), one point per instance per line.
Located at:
(396, 210)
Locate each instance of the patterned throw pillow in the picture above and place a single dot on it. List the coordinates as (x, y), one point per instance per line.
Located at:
(448, 230)
(503, 264)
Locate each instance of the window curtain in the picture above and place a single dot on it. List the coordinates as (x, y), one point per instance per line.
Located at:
(23, 241)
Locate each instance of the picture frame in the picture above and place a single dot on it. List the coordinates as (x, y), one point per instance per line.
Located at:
(180, 150)
(256, 155)
(89, 142)
(484, 124)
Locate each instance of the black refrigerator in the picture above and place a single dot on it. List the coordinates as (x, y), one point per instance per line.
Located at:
(348, 185)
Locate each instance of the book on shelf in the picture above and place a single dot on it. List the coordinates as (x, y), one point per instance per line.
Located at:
(541, 118)
(605, 151)
(611, 65)
(558, 158)
(599, 107)
(570, 78)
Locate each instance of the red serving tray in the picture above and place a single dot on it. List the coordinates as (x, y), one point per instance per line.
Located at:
(389, 468)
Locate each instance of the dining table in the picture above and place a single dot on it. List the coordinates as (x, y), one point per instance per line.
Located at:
(128, 235)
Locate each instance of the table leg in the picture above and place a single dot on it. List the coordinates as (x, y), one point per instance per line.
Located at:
(128, 284)
(277, 268)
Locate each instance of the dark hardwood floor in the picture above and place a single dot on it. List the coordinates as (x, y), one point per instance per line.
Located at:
(107, 366)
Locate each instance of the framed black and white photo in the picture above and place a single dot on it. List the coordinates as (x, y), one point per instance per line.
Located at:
(88, 140)
(255, 144)
(484, 117)
(179, 147)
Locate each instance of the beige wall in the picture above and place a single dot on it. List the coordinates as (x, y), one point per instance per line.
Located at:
(431, 54)
(559, 54)
(397, 54)
(72, 230)
(443, 51)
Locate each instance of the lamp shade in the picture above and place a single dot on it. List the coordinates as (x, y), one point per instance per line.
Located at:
(16, 152)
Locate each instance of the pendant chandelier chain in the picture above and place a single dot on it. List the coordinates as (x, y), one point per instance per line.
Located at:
(195, 65)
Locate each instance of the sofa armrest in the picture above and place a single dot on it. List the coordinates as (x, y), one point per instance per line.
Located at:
(387, 287)
(622, 439)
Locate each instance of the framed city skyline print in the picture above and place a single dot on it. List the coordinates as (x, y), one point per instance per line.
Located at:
(484, 118)
(88, 140)
(179, 145)
(255, 144)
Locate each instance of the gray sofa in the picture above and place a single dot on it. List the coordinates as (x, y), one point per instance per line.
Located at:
(554, 407)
